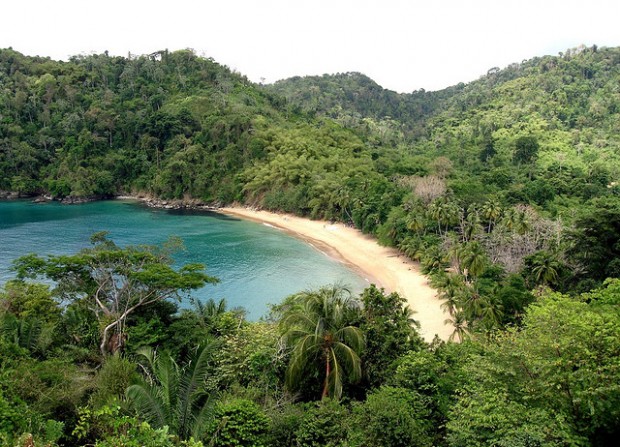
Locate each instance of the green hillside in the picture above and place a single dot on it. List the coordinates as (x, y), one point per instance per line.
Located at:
(506, 190)
(100, 125)
(536, 141)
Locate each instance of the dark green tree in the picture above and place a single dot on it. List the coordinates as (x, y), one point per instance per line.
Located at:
(174, 395)
(319, 327)
(390, 331)
(526, 149)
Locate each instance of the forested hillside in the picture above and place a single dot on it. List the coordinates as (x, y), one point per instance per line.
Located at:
(171, 124)
(506, 190)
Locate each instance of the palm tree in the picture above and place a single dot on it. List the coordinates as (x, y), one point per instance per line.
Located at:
(412, 247)
(491, 210)
(317, 325)
(473, 259)
(491, 313)
(470, 224)
(173, 395)
(444, 212)
(210, 309)
(518, 219)
(460, 326)
(25, 333)
(451, 290)
(416, 220)
(545, 268)
(434, 260)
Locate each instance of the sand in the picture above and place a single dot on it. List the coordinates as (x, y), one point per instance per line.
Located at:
(382, 266)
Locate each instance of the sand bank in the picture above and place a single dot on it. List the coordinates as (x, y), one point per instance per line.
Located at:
(382, 266)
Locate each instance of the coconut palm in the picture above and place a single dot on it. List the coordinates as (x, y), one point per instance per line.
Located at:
(412, 247)
(318, 327)
(443, 212)
(544, 267)
(470, 224)
(491, 313)
(518, 219)
(459, 322)
(172, 395)
(415, 220)
(455, 254)
(473, 259)
(434, 260)
(451, 289)
(492, 211)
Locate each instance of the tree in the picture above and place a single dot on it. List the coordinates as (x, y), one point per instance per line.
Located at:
(115, 281)
(470, 224)
(390, 332)
(526, 149)
(323, 424)
(239, 423)
(392, 417)
(543, 268)
(491, 210)
(597, 237)
(451, 288)
(318, 326)
(473, 259)
(554, 379)
(444, 212)
(458, 320)
(172, 395)
(429, 188)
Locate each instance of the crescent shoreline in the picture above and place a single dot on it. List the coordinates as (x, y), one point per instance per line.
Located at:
(383, 266)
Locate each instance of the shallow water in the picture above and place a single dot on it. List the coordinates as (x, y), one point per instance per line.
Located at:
(257, 264)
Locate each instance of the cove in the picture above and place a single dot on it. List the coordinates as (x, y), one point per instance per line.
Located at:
(256, 264)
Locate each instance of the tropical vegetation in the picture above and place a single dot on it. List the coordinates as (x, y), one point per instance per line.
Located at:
(505, 190)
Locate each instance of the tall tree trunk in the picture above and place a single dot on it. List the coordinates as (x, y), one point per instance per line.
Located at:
(327, 372)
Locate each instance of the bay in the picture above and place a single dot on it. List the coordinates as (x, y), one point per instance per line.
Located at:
(257, 264)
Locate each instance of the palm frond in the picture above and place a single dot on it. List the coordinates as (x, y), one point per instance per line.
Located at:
(146, 400)
(190, 389)
(335, 376)
(204, 417)
(348, 358)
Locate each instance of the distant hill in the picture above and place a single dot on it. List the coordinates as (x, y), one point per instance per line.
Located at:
(351, 97)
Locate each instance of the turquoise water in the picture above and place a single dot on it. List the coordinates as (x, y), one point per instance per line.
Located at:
(256, 264)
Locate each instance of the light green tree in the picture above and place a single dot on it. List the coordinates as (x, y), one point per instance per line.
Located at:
(115, 281)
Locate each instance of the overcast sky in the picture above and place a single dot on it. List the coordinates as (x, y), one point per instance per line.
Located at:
(403, 45)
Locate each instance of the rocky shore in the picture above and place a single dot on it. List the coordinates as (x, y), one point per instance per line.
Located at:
(173, 204)
(10, 195)
(152, 202)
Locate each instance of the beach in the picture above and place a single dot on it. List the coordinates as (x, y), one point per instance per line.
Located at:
(382, 266)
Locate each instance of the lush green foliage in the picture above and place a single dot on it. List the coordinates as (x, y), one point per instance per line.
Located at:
(174, 396)
(505, 190)
(392, 417)
(319, 329)
(388, 326)
(115, 281)
(239, 423)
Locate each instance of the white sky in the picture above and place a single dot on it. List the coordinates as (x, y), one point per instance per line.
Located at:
(403, 45)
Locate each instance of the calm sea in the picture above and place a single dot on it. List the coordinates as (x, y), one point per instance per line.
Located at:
(256, 264)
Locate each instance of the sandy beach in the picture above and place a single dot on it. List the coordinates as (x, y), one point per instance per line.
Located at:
(382, 266)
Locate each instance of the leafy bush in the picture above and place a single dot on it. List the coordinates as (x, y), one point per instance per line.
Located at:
(392, 417)
(323, 424)
(239, 422)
